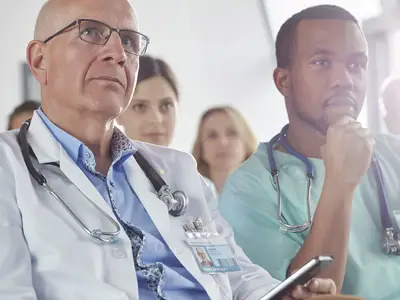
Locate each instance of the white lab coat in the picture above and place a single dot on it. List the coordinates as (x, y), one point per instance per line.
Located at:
(45, 255)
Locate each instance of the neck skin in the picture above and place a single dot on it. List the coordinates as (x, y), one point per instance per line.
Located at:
(305, 139)
(91, 129)
(218, 178)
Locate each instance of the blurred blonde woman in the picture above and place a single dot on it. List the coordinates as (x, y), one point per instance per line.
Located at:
(224, 140)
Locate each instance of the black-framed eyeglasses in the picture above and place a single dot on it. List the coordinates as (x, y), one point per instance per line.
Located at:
(98, 33)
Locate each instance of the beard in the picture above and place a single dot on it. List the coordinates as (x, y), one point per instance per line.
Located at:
(320, 124)
(329, 117)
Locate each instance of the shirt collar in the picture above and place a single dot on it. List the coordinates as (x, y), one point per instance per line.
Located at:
(70, 144)
(121, 146)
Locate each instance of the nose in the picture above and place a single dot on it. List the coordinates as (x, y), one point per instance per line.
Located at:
(113, 50)
(223, 140)
(342, 77)
(156, 117)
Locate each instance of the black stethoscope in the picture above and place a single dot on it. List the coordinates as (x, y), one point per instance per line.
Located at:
(390, 243)
(177, 202)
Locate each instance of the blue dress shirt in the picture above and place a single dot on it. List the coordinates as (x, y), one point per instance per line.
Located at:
(160, 274)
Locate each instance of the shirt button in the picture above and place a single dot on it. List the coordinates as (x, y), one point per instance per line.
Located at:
(112, 184)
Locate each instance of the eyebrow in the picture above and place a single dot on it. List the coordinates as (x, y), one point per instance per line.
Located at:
(359, 54)
(147, 100)
(140, 100)
(322, 51)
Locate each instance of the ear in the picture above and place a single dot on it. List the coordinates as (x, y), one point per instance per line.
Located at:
(282, 80)
(36, 61)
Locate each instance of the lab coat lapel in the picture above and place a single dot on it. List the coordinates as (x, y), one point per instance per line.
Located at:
(42, 142)
(80, 180)
(144, 190)
(159, 215)
(48, 150)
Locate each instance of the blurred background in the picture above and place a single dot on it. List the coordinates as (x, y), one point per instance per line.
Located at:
(222, 52)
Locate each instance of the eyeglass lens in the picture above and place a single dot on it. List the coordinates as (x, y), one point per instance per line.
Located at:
(98, 33)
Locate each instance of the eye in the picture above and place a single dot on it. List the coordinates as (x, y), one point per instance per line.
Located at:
(130, 41)
(166, 107)
(211, 135)
(321, 62)
(91, 31)
(126, 41)
(357, 66)
(139, 107)
(232, 133)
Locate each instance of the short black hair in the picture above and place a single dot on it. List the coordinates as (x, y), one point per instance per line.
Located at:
(285, 39)
(24, 107)
(150, 66)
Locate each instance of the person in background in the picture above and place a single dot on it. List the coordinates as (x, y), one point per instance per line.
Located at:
(390, 100)
(151, 116)
(321, 71)
(22, 113)
(224, 140)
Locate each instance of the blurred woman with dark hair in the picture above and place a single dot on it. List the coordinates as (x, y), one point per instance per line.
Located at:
(151, 116)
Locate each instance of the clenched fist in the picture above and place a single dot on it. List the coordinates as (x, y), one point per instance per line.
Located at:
(347, 153)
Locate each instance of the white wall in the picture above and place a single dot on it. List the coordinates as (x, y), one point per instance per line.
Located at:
(219, 50)
(17, 22)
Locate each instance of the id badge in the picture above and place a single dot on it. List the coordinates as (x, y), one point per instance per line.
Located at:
(212, 253)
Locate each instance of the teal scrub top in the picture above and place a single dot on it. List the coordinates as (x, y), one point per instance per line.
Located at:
(249, 203)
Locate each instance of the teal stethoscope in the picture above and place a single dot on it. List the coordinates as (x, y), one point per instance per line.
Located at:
(177, 202)
(390, 243)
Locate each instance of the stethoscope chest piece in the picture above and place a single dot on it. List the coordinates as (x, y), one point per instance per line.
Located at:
(177, 202)
(181, 205)
(390, 243)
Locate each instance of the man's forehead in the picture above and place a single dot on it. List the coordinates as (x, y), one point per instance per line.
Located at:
(55, 14)
(116, 13)
(340, 36)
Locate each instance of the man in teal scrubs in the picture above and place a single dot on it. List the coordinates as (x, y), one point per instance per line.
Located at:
(321, 71)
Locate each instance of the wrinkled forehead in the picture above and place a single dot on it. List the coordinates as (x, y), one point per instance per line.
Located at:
(115, 13)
